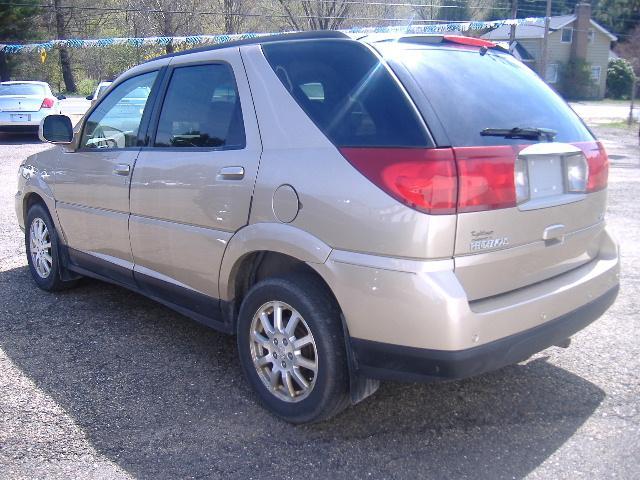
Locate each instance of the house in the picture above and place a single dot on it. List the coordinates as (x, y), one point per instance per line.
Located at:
(575, 36)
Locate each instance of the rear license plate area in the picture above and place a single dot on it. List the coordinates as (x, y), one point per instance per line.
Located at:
(20, 117)
(546, 177)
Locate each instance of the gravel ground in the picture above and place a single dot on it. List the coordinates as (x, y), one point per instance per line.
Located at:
(98, 382)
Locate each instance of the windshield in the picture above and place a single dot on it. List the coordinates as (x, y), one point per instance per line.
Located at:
(471, 92)
(21, 89)
(101, 88)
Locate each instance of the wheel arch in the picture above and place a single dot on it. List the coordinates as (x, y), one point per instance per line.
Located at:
(253, 242)
(262, 250)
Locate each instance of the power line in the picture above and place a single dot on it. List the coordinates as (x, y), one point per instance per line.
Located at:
(209, 12)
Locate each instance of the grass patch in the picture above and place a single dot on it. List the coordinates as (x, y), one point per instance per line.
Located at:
(622, 124)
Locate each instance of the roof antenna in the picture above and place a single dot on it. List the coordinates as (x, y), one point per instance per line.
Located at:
(483, 50)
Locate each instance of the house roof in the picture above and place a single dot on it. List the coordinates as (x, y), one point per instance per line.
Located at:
(536, 30)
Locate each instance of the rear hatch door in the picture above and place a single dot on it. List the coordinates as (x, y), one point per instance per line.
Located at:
(531, 176)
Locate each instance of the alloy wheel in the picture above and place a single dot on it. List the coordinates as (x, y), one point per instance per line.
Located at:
(283, 351)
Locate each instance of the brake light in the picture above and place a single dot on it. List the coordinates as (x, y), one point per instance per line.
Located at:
(48, 103)
(598, 166)
(423, 179)
(462, 40)
(486, 178)
(441, 181)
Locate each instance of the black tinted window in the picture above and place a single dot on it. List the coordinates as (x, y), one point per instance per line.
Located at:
(470, 92)
(347, 92)
(201, 109)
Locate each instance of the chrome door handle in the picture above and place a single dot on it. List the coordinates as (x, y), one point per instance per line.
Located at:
(121, 169)
(231, 173)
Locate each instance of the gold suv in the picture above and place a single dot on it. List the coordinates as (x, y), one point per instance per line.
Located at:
(416, 208)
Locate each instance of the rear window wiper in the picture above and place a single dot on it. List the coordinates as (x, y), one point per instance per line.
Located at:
(532, 133)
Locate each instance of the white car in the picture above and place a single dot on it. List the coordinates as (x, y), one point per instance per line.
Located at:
(23, 104)
(100, 89)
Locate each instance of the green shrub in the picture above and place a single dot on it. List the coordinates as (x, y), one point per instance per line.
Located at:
(86, 86)
(620, 78)
(575, 80)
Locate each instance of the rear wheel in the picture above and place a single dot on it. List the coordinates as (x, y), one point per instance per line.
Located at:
(41, 242)
(292, 349)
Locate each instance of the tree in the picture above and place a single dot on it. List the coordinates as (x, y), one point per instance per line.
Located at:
(316, 15)
(629, 49)
(65, 60)
(14, 27)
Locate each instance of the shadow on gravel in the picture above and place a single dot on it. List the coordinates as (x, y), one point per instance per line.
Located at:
(163, 397)
(19, 138)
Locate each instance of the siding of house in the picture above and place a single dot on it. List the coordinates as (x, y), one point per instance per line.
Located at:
(560, 53)
(598, 55)
(533, 46)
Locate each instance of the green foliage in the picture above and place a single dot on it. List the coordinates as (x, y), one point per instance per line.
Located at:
(15, 21)
(575, 80)
(620, 78)
(86, 86)
(14, 26)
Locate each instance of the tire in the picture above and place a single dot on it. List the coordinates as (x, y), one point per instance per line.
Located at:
(38, 219)
(327, 390)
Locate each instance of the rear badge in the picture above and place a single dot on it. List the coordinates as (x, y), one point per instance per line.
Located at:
(484, 240)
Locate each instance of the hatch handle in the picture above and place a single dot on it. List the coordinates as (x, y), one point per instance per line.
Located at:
(553, 232)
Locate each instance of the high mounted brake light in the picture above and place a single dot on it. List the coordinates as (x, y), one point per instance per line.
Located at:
(475, 42)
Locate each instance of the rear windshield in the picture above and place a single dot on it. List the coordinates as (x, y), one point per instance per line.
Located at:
(21, 89)
(470, 92)
(347, 93)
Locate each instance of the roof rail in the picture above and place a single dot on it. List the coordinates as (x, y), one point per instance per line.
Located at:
(279, 37)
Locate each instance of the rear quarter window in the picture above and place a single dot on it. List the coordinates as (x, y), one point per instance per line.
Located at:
(348, 93)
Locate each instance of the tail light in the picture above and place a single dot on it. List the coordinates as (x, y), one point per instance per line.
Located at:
(486, 178)
(441, 181)
(423, 179)
(598, 167)
(48, 103)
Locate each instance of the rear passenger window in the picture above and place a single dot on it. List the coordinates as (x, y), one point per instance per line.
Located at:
(347, 92)
(201, 109)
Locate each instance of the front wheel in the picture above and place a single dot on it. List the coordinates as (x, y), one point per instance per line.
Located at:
(292, 350)
(41, 242)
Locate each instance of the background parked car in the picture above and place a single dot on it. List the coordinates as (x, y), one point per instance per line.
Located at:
(100, 89)
(24, 103)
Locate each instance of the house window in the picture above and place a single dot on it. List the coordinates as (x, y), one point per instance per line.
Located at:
(567, 35)
(552, 73)
(592, 35)
(595, 73)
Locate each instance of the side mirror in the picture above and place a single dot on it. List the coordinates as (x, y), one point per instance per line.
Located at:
(89, 97)
(56, 129)
(61, 97)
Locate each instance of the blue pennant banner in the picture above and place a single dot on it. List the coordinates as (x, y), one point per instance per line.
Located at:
(192, 40)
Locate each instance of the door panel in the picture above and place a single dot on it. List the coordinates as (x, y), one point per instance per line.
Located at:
(92, 183)
(185, 205)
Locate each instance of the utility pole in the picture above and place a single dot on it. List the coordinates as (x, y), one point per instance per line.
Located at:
(514, 15)
(633, 98)
(545, 43)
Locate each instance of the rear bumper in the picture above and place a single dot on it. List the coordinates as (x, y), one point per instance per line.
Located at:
(395, 362)
(414, 320)
(32, 125)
